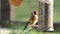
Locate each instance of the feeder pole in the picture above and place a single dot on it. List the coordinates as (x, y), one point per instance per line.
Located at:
(46, 14)
(41, 14)
(50, 14)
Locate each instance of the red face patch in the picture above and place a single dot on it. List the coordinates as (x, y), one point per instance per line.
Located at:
(34, 12)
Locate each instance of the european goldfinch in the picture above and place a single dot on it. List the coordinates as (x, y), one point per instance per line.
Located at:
(33, 20)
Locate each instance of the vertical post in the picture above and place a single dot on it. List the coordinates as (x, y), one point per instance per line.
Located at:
(42, 13)
(0, 10)
(46, 14)
(12, 13)
(5, 12)
(50, 16)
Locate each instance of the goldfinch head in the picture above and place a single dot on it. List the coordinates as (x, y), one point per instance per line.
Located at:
(35, 12)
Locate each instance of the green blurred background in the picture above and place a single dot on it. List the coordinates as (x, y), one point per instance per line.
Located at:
(24, 11)
(23, 14)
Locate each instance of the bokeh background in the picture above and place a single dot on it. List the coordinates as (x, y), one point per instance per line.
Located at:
(23, 13)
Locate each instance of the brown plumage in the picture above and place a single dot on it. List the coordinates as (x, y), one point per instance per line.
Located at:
(33, 19)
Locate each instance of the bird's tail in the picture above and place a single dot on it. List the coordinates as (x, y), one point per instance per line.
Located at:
(26, 25)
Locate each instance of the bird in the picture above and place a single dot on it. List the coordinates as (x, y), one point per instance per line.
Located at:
(33, 20)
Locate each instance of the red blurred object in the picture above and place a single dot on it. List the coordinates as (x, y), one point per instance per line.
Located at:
(15, 2)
